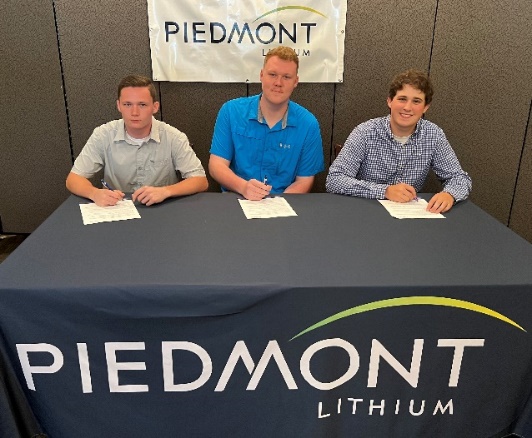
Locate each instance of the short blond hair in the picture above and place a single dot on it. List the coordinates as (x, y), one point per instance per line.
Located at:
(284, 53)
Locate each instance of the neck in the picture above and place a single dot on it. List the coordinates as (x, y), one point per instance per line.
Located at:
(272, 112)
(137, 133)
(401, 132)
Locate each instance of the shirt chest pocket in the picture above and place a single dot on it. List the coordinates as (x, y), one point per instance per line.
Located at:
(158, 164)
(249, 147)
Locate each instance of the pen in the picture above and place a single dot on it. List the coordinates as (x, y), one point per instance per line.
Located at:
(107, 186)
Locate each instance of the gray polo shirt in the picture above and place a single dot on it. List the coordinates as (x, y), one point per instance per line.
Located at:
(160, 161)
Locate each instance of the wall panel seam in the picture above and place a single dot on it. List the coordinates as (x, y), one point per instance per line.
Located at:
(520, 163)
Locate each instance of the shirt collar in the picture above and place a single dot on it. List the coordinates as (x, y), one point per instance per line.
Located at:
(388, 128)
(154, 133)
(260, 117)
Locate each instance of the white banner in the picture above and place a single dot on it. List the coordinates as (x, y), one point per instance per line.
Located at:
(225, 41)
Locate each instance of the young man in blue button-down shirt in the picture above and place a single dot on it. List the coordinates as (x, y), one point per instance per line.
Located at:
(266, 143)
(390, 157)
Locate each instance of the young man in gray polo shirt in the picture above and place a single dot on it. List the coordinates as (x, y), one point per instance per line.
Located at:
(138, 154)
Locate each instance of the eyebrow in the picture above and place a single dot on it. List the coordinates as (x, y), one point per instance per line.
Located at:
(413, 98)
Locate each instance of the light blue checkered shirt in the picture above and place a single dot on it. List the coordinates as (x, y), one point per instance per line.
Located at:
(372, 159)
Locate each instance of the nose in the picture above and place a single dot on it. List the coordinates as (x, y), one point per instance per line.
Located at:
(407, 105)
(134, 109)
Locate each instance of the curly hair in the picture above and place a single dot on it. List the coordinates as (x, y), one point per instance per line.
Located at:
(415, 78)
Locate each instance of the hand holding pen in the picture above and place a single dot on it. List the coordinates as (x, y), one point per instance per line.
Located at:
(400, 192)
(255, 190)
(108, 196)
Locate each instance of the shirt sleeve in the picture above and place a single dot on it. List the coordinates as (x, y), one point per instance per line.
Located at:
(311, 161)
(446, 166)
(342, 177)
(92, 157)
(185, 159)
(222, 144)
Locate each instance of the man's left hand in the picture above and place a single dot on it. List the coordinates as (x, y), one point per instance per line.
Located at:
(440, 203)
(150, 195)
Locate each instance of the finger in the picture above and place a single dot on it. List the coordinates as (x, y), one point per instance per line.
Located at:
(437, 207)
(410, 190)
(136, 194)
(144, 198)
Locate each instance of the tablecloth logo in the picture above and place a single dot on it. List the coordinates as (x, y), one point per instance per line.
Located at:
(411, 301)
(273, 356)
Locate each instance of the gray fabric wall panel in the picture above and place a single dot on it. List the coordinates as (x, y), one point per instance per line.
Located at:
(521, 220)
(192, 108)
(480, 63)
(35, 150)
(382, 39)
(481, 68)
(100, 43)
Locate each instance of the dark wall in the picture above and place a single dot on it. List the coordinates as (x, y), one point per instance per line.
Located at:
(478, 53)
(34, 144)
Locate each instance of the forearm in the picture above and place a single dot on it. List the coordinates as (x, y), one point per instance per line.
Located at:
(220, 171)
(81, 186)
(458, 187)
(300, 185)
(347, 185)
(188, 186)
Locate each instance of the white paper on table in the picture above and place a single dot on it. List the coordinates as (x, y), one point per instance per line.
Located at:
(267, 208)
(415, 209)
(123, 210)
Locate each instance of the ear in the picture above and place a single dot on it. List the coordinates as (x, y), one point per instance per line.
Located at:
(389, 102)
(427, 106)
(261, 74)
(118, 106)
(155, 107)
(297, 81)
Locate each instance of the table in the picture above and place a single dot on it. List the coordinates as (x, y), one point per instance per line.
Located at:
(343, 321)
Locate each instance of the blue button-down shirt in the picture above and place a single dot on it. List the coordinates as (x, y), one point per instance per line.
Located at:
(372, 159)
(289, 149)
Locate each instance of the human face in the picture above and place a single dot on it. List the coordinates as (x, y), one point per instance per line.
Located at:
(279, 78)
(137, 108)
(406, 108)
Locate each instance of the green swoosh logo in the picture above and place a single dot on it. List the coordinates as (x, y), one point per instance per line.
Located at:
(303, 8)
(410, 301)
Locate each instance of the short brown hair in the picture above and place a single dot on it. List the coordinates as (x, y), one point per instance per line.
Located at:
(284, 53)
(415, 78)
(138, 81)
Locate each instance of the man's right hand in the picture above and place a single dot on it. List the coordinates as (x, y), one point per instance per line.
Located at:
(106, 198)
(400, 192)
(254, 190)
